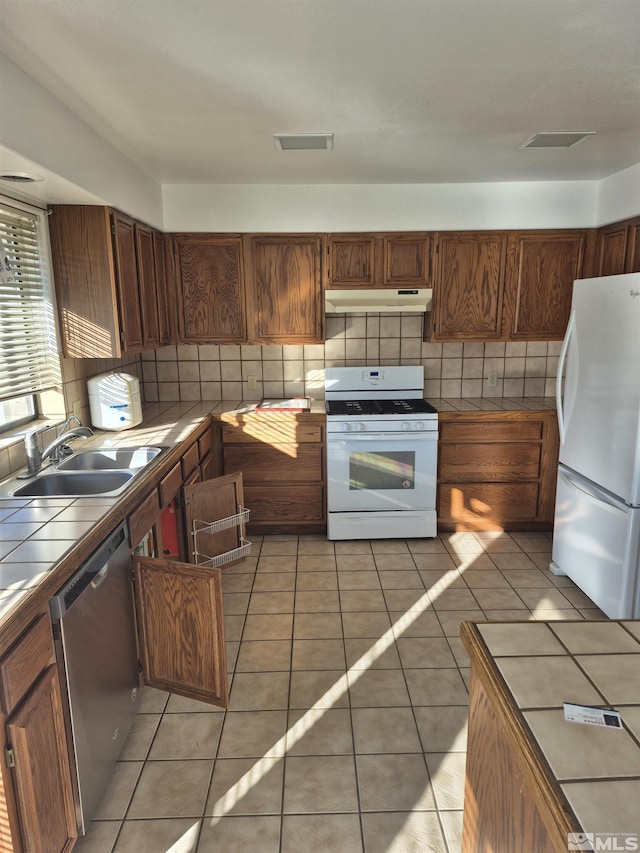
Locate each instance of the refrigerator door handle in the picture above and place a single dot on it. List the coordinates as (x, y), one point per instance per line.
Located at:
(593, 494)
(561, 361)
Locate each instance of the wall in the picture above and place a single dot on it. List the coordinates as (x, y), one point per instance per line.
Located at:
(451, 370)
(619, 196)
(41, 128)
(228, 208)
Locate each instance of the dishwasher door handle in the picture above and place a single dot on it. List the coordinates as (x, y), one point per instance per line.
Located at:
(100, 577)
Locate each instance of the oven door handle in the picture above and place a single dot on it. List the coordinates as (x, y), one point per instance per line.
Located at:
(432, 435)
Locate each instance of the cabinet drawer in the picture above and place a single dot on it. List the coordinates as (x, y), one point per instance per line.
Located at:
(170, 485)
(489, 462)
(190, 460)
(492, 503)
(272, 429)
(22, 666)
(204, 444)
(289, 504)
(276, 464)
(143, 518)
(491, 431)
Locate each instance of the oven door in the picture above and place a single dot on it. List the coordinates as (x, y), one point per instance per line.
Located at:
(382, 471)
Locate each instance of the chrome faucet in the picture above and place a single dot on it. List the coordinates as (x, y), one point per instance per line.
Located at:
(57, 449)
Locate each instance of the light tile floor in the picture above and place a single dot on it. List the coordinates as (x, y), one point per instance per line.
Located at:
(346, 728)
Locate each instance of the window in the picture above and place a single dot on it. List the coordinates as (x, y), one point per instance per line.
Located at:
(29, 360)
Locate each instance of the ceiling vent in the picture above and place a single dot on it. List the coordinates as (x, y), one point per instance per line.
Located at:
(303, 141)
(556, 139)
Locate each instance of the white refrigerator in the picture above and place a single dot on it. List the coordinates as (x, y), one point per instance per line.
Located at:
(596, 537)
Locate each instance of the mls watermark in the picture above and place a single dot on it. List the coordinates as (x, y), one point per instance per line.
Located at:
(611, 841)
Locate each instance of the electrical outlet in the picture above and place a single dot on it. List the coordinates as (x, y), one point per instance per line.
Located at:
(77, 409)
(492, 379)
(252, 382)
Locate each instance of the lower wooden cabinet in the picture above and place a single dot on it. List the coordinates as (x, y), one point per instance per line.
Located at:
(282, 460)
(37, 806)
(497, 470)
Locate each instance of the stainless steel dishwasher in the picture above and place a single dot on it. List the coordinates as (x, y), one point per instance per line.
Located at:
(95, 640)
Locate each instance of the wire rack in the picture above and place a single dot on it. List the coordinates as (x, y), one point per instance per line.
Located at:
(210, 527)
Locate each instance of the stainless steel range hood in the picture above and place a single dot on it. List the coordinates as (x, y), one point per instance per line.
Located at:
(378, 299)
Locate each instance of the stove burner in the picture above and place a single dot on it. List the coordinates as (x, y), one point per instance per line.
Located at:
(379, 407)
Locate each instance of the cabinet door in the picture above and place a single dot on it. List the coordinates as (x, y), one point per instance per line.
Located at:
(211, 501)
(42, 774)
(540, 284)
(147, 285)
(124, 251)
(162, 284)
(181, 628)
(406, 260)
(351, 260)
(210, 279)
(633, 247)
(284, 289)
(611, 249)
(468, 286)
(82, 260)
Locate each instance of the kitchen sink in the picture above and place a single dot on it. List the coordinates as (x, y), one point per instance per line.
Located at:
(75, 484)
(99, 471)
(110, 458)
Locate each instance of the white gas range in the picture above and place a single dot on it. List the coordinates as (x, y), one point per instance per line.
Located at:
(382, 442)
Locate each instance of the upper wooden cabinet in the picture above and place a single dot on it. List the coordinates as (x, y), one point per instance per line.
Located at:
(284, 289)
(541, 270)
(468, 285)
(264, 289)
(210, 286)
(105, 271)
(378, 260)
(618, 248)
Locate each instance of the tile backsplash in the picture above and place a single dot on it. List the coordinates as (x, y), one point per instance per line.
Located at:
(211, 372)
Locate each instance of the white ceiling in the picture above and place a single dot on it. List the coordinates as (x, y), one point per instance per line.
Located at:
(415, 91)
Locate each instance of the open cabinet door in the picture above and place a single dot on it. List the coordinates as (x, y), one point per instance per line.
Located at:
(181, 628)
(214, 519)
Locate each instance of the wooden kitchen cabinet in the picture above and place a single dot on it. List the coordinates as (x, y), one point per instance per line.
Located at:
(210, 288)
(541, 269)
(105, 273)
(281, 457)
(166, 328)
(259, 289)
(379, 260)
(181, 628)
(497, 470)
(284, 289)
(179, 610)
(618, 248)
(468, 286)
(37, 805)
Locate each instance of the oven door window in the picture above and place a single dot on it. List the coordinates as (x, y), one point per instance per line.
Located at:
(382, 469)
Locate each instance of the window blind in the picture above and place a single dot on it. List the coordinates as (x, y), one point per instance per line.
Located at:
(28, 344)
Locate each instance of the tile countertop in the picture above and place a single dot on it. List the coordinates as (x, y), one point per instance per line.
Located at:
(37, 533)
(543, 665)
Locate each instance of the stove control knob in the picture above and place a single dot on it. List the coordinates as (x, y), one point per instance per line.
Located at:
(406, 425)
(360, 427)
(346, 427)
(419, 425)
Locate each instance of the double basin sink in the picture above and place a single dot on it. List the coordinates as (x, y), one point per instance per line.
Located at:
(101, 471)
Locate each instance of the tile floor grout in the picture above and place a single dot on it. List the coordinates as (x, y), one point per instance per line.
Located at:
(325, 800)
